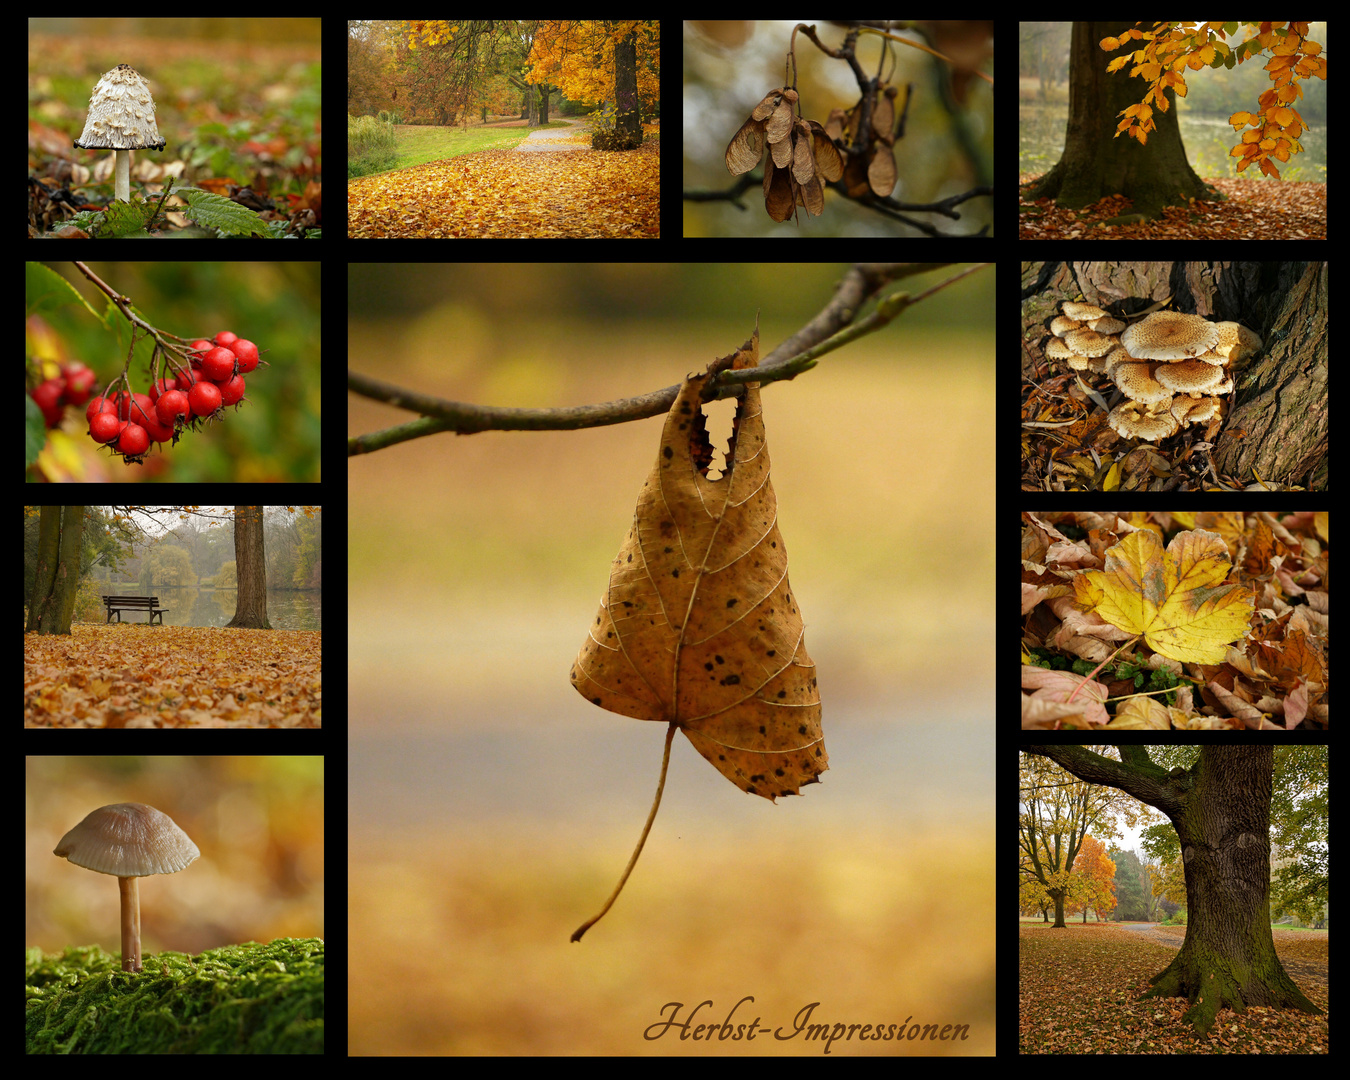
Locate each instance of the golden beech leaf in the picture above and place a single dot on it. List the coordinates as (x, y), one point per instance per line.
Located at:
(698, 628)
(1178, 601)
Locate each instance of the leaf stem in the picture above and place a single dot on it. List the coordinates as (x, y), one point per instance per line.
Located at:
(656, 803)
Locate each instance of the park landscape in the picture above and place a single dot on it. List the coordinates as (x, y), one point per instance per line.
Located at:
(504, 129)
(1205, 932)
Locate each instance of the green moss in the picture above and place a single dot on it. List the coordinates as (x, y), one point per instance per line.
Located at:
(242, 999)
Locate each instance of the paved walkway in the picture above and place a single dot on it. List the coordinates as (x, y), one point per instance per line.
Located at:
(545, 140)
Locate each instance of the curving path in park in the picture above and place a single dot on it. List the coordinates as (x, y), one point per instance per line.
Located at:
(547, 139)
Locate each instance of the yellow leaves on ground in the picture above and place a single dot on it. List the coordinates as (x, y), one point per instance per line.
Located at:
(1177, 602)
(502, 194)
(137, 676)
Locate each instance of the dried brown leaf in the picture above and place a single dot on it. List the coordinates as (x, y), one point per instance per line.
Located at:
(698, 627)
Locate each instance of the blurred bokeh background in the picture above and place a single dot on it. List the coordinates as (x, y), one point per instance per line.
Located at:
(258, 822)
(493, 808)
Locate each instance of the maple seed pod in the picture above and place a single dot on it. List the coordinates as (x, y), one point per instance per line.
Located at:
(771, 119)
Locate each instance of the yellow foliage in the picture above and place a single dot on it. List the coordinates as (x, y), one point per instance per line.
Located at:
(1172, 48)
(1177, 601)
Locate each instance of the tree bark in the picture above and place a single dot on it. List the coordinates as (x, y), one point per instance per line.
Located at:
(250, 560)
(1221, 812)
(1095, 163)
(1280, 396)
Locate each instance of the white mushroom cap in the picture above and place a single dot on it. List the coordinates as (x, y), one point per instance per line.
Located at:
(1082, 312)
(1089, 342)
(1135, 421)
(1062, 324)
(1107, 325)
(121, 114)
(1189, 409)
(1236, 342)
(1189, 376)
(1138, 382)
(128, 840)
(1169, 335)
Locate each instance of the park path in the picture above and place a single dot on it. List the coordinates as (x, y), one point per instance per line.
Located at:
(1156, 934)
(545, 140)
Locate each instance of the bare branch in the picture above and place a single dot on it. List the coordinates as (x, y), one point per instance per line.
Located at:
(830, 329)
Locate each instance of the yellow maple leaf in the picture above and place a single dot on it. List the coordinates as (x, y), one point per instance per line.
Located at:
(1178, 602)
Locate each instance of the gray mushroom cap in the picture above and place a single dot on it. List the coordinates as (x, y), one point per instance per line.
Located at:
(121, 114)
(128, 840)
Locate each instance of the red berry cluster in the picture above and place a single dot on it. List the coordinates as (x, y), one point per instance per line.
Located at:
(129, 423)
(72, 387)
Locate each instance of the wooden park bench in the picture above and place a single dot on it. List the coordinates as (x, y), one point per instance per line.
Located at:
(149, 604)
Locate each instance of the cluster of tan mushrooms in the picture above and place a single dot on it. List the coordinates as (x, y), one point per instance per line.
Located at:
(1169, 366)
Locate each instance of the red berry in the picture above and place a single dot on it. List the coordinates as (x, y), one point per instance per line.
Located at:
(98, 405)
(247, 353)
(171, 404)
(232, 391)
(104, 427)
(79, 384)
(204, 397)
(226, 338)
(133, 440)
(48, 397)
(218, 364)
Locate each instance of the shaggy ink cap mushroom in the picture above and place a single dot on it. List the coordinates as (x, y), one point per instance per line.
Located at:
(129, 841)
(121, 118)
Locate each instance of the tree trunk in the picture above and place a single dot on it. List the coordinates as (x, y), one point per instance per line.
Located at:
(1095, 163)
(57, 575)
(1221, 812)
(628, 119)
(1228, 959)
(250, 560)
(1281, 395)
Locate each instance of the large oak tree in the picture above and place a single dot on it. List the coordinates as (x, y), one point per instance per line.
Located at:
(1220, 808)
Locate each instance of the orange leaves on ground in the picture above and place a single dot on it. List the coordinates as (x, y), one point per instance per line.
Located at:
(1253, 209)
(137, 676)
(502, 194)
(1178, 602)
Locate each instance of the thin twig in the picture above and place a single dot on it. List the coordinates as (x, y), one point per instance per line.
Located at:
(799, 353)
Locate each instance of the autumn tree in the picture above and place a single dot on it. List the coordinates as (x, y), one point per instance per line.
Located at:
(1220, 810)
(1160, 53)
(1095, 163)
(1055, 818)
(250, 558)
(1096, 878)
(466, 54)
(590, 62)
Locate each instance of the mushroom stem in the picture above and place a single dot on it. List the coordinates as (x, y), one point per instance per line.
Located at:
(131, 924)
(122, 176)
